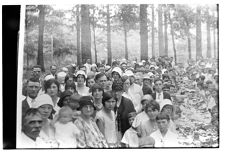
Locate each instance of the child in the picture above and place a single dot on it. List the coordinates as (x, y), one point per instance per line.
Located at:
(163, 136)
(130, 138)
(66, 133)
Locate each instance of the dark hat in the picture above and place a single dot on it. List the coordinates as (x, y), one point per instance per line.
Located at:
(86, 100)
(75, 98)
(117, 85)
(63, 96)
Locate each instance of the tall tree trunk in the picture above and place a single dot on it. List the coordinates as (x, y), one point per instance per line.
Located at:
(160, 31)
(85, 33)
(109, 37)
(79, 57)
(153, 31)
(144, 32)
(172, 34)
(214, 35)
(165, 31)
(40, 58)
(198, 34)
(208, 35)
(125, 40)
(93, 26)
(189, 45)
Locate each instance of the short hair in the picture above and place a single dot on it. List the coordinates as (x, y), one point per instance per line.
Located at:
(33, 79)
(49, 82)
(158, 80)
(70, 76)
(153, 105)
(70, 85)
(99, 75)
(36, 66)
(162, 116)
(52, 66)
(106, 97)
(95, 87)
(30, 111)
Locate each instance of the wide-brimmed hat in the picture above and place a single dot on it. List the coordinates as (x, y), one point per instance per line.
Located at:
(42, 100)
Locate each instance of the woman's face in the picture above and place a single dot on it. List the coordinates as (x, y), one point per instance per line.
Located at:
(163, 124)
(97, 94)
(45, 110)
(66, 100)
(168, 109)
(90, 82)
(110, 104)
(152, 113)
(80, 79)
(118, 94)
(53, 90)
(115, 75)
(87, 110)
(71, 89)
(126, 85)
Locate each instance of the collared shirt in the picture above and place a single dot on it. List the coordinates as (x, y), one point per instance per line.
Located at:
(26, 142)
(30, 101)
(159, 97)
(169, 140)
(130, 138)
(136, 93)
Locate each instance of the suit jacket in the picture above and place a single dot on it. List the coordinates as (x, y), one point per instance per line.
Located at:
(123, 110)
(25, 106)
(165, 96)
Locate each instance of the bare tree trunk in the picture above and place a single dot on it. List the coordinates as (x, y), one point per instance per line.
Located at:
(172, 34)
(85, 33)
(153, 31)
(165, 31)
(198, 34)
(79, 57)
(208, 35)
(125, 40)
(214, 36)
(189, 45)
(144, 32)
(40, 58)
(160, 31)
(109, 37)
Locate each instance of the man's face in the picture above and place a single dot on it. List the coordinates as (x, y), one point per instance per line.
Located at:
(158, 86)
(103, 82)
(101, 69)
(32, 89)
(32, 126)
(88, 61)
(53, 70)
(36, 72)
(123, 66)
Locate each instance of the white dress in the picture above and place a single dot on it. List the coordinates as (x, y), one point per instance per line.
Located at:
(130, 138)
(136, 94)
(66, 134)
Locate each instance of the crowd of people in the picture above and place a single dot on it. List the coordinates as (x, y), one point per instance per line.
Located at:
(152, 103)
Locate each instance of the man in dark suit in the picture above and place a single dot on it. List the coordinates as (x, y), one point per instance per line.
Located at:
(159, 95)
(33, 86)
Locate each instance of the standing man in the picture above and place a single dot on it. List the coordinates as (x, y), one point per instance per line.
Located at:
(88, 66)
(53, 69)
(33, 86)
(31, 127)
(159, 95)
(36, 71)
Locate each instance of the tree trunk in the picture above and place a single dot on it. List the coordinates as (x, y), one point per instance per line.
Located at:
(172, 34)
(95, 44)
(79, 57)
(214, 36)
(165, 31)
(198, 34)
(189, 45)
(85, 33)
(160, 32)
(153, 31)
(125, 40)
(40, 58)
(208, 35)
(109, 37)
(144, 32)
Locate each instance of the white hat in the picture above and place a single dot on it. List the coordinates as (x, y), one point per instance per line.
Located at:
(93, 65)
(150, 74)
(165, 102)
(146, 76)
(147, 97)
(61, 75)
(128, 73)
(163, 71)
(65, 69)
(118, 70)
(43, 100)
(152, 66)
(48, 77)
(81, 72)
(107, 67)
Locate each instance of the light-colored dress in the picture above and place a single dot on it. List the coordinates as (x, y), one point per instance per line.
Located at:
(90, 134)
(130, 138)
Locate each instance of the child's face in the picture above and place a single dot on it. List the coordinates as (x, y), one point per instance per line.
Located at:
(163, 124)
(65, 117)
(131, 120)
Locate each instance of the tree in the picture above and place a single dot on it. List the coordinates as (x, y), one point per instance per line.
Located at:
(153, 31)
(165, 29)
(160, 31)
(79, 55)
(208, 23)
(40, 58)
(143, 32)
(198, 33)
(109, 37)
(85, 33)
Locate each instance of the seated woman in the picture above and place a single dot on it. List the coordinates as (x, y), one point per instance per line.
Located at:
(91, 136)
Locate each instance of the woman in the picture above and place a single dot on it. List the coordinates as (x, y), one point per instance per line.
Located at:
(106, 119)
(70, 86)
(123, 107)
(45, 105)
(52, 89)
(126, 85)
(64, 99)
(90, 82)
(97, 93)
(91, 135)
(81, 88)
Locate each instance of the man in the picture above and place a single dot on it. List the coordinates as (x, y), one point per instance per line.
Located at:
(33, 86)
(36, 71)
(31, 127)
(159, 95)
(53, 70)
